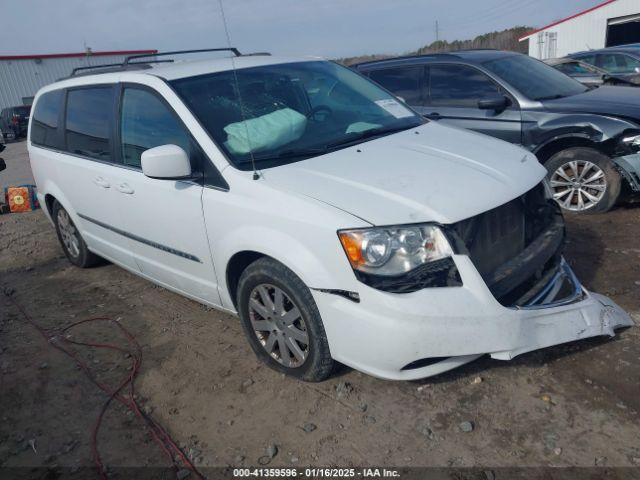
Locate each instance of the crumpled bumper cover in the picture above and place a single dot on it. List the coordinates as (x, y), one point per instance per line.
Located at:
(600, 318)
(386, 334)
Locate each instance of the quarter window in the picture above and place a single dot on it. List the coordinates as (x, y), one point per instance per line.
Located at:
(146, 123)
(88, 124)
(404, 82)
(44, 127)
(459, 86)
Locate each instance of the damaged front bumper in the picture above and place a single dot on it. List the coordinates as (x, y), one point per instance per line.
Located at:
(629, 167)
(424, 333)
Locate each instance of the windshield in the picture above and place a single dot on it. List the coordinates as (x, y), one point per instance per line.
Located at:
(534, 79)
(292, 111)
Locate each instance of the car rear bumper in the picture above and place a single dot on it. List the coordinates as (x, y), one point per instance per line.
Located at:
(424, 333)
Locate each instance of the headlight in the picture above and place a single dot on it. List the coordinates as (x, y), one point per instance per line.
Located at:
(390, 251)
(631, 142)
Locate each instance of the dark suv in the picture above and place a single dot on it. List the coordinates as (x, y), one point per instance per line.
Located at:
(14, 121)
(589, 140)
(622, 61)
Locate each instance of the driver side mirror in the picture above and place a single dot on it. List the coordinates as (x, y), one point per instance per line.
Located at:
(3, 165)
(494, 102)
(166, 162)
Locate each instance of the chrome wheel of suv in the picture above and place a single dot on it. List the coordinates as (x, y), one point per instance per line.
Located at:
(578, 185)
(279, 326)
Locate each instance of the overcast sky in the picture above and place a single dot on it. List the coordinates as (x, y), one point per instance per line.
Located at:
(331, 28)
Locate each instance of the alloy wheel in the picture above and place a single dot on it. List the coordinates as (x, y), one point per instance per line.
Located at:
(578, 185)
(69, 233)
(279, 326)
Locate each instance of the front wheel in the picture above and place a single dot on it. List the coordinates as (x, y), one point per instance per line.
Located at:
(583, 180)
(281, 321)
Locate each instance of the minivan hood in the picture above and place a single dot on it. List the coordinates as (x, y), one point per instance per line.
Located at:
(614, 101)
(432, 173)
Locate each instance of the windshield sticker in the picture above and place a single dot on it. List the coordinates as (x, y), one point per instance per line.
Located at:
(394, 108)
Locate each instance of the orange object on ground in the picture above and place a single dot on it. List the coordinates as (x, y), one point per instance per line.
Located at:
(20, 199)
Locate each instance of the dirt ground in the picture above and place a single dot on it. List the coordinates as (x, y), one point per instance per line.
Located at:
(571, 405)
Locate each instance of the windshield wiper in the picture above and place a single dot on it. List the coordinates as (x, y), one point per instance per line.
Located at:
(290, 153)
(550, 97)
(361, 136)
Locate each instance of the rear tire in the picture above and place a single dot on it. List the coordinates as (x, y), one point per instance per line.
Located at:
(281, 321)
(72, 243)
(583, 180)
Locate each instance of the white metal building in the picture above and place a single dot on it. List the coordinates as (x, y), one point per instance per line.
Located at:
(611, 23)
(21, 76)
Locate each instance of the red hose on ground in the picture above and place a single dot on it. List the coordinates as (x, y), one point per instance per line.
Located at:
(58, 338)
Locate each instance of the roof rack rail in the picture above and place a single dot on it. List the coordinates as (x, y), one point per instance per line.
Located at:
(127, 61)
(111, 67)
(91, 67)
(127, 64)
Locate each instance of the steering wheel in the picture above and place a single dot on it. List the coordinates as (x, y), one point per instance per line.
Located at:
(324, 111)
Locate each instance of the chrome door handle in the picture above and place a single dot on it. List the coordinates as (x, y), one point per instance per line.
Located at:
(124, 188)
(101, 182)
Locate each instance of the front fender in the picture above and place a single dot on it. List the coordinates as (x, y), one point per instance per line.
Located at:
(549, 127)
(321, 267)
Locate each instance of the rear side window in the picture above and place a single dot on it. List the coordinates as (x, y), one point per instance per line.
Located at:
(404, 82)
(146, 123)
(44, 127)
(88, 124)
(459, 86)
(618, 63)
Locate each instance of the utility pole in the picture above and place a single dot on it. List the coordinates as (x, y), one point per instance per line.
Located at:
(437, 31)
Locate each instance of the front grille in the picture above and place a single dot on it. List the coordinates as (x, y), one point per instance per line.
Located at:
(495, 238)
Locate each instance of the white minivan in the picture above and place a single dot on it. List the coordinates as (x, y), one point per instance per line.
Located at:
(337, 223)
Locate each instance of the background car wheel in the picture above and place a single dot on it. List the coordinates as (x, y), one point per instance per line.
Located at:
(72, 242)
(282, 322)
(583, 180)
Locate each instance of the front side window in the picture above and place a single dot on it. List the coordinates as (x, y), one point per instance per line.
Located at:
(147, 123)
(277, 114)
(459, 86)
(533, 78)
(618, 63)
(405, 82)
(44, 127)
(88, 123)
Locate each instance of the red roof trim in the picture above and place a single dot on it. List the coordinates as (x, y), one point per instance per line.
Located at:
(75, 55)
(566, 19)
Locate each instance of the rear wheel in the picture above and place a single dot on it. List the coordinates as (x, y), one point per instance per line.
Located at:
(72, 242)
(583, 180)
(282, 322)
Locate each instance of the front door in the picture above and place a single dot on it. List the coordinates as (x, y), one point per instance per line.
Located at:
(454, 92)
(163, 218)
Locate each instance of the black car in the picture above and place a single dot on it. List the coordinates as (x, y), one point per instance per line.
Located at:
(588, 75)
(589, 139)
(14, 121)
(623, 62)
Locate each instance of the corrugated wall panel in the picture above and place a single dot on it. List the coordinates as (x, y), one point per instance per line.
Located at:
(23, 78)
(585, 32)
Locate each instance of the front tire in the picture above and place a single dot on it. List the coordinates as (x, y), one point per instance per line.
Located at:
(583, 180)
(281, 321)
(72, 243)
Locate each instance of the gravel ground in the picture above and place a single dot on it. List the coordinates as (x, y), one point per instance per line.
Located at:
(571, 405)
